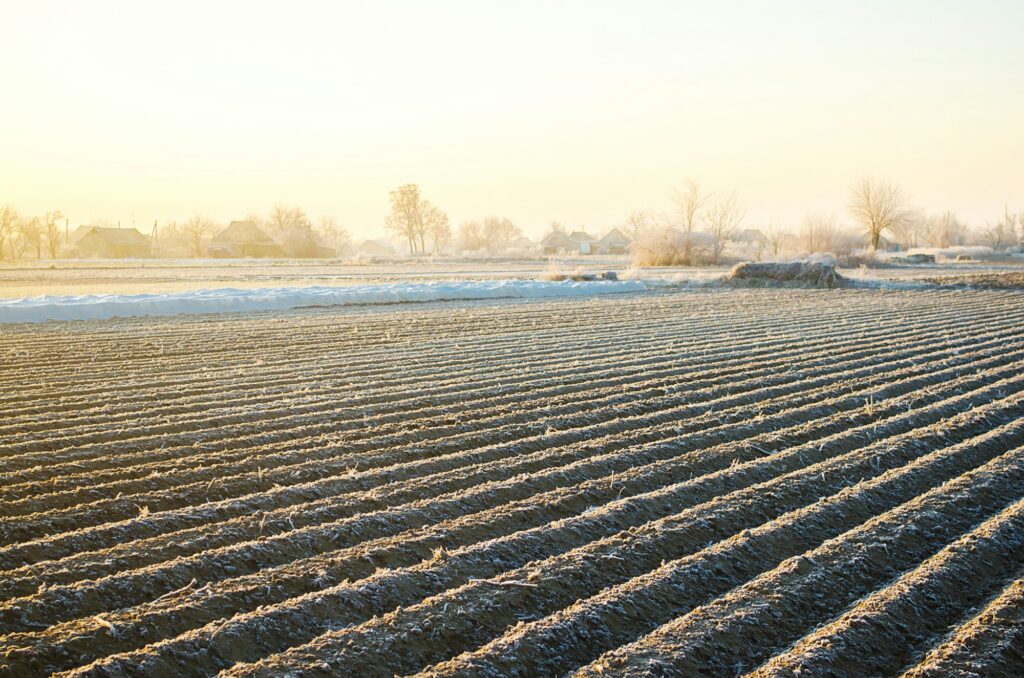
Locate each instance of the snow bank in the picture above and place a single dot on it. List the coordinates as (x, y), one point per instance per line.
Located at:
(38, 309)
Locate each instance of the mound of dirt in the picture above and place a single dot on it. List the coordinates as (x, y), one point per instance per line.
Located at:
(988, 281)
(815, 273)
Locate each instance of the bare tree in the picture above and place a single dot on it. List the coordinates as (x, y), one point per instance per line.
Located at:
(690, 204)
(195, 230)
(1003, 234)
(914, 229)
(878, 206)
(946, 230)
(52, 229)
(723, 218)
(293, 230)
(406, 217)
(1010, 222)
(776, 238)
(817, 233)
(337, 237)
(498, 232)
(30, 232)
(636, 223)
(284, 219)
(437, 227)
(8, 225)
(470, 237)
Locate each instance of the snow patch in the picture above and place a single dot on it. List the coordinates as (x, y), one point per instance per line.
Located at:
(230, 300)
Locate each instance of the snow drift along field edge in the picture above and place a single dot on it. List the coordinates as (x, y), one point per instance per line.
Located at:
(232, 300)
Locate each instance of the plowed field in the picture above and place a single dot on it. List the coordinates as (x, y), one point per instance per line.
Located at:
(708, 482)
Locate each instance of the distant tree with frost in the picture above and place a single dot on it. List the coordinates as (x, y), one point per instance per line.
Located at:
(470, 237)
(690, 205)
(723, 217)
(337, 237)
(636, 224)
(30, 234)
(878, 206)
(499, 232)
(8, 224)
(195, 230)
(407, 219)
(51, 226)
(437, 227)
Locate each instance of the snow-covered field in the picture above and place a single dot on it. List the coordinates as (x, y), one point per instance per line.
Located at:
(154, 276)
(81, 290)
(232, 300)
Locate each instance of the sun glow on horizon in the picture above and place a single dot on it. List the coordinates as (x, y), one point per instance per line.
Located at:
(573, 111)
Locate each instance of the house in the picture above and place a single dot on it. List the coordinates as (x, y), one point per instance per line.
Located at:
(556, 242)
(243, 239)
(583, 242)
(78, 233)
(112, 243)
(613, 242)
(377, 248)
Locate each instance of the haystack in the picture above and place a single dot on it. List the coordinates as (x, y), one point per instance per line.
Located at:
(817, 273)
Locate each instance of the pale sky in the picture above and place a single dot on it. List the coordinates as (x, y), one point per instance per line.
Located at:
(575, 111)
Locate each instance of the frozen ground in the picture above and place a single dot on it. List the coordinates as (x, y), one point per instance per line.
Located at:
(232, 300)
(78, 277)
(81, 290)
(696, 481)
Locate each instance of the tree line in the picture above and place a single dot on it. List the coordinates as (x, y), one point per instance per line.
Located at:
(703, 225)
(289, 226)
(425, 228)
(21, 234)
(699, 229)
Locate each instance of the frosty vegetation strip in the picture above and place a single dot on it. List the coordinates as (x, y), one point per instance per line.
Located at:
(989, 644)
(580, 633)
(382, 592)
(737, 631)
(815, 409)
(901, 619)
(228, 300)
(478, 611)
(273, 470)
(264, 584)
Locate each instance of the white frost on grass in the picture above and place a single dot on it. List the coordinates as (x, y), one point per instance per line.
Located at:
(94, 307)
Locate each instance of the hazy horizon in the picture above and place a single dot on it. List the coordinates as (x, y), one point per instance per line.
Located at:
(576, 112)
